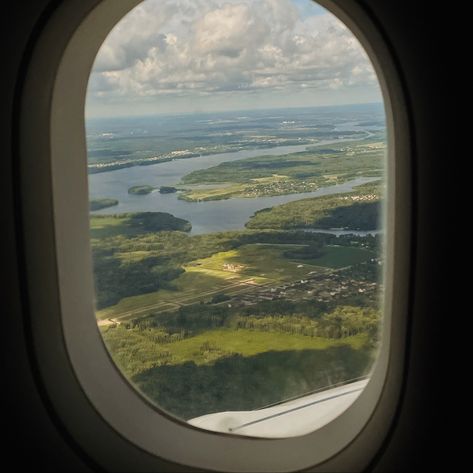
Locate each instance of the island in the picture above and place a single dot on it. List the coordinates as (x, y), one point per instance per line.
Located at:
(97, 204)
(293, 173)
(141, 190)
(167, 190)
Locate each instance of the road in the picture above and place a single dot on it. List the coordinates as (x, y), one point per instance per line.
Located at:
(246, 285)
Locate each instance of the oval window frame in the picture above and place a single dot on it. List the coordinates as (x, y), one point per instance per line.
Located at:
(75, 368)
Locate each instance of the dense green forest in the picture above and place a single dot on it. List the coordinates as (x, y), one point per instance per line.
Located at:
(116, 275)
(133, 224)
(295, 317)
(197, 360)
(237, 382)
(357, 210)
(115, 278)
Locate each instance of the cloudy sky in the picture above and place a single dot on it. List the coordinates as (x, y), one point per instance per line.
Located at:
(179, 56)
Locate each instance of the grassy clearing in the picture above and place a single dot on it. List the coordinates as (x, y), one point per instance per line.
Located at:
(267, 260)
(108, 226)
(256, 264)
(202, 280)
(249, 343)
(260, 262)
(208, 346)
(342, 256)
(258, 372)
(227, 190)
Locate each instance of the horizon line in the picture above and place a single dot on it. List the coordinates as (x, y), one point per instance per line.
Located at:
(203, 112)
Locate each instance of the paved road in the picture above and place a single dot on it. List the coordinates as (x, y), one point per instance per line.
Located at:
(247, 285)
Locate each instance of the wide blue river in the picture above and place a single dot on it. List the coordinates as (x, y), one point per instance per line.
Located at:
(205, 217)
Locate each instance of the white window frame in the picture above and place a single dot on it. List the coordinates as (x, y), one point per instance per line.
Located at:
(109, 419)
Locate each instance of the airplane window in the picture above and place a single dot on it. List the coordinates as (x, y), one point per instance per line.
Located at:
(236, 166)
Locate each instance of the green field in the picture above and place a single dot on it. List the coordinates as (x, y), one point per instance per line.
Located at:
(144, 263)
(267, 262)
(261, 264)
(108, 225)
(250, 343)
(341, 256)
(224, 369)
(208, 346)
(206, 277)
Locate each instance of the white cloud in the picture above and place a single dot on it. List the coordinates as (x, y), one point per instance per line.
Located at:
(197, 47)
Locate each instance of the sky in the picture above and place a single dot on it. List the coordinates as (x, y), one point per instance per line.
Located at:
(188, 56)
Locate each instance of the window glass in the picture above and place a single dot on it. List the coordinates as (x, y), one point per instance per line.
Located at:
(236, 160)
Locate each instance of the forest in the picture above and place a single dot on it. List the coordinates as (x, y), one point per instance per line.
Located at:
(196, 361)
(357, 210)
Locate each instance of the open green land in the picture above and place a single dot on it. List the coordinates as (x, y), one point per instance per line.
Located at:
(258, 262)
(236, 382)
(141, 190)
(293, 173)
(275, 358)
(340, 257)
(357, 210)
(97, 204)
(130, 261)
(204, 278)
(208, 346)
(243, 269)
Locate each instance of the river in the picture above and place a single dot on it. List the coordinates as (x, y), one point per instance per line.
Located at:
(207, 216)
